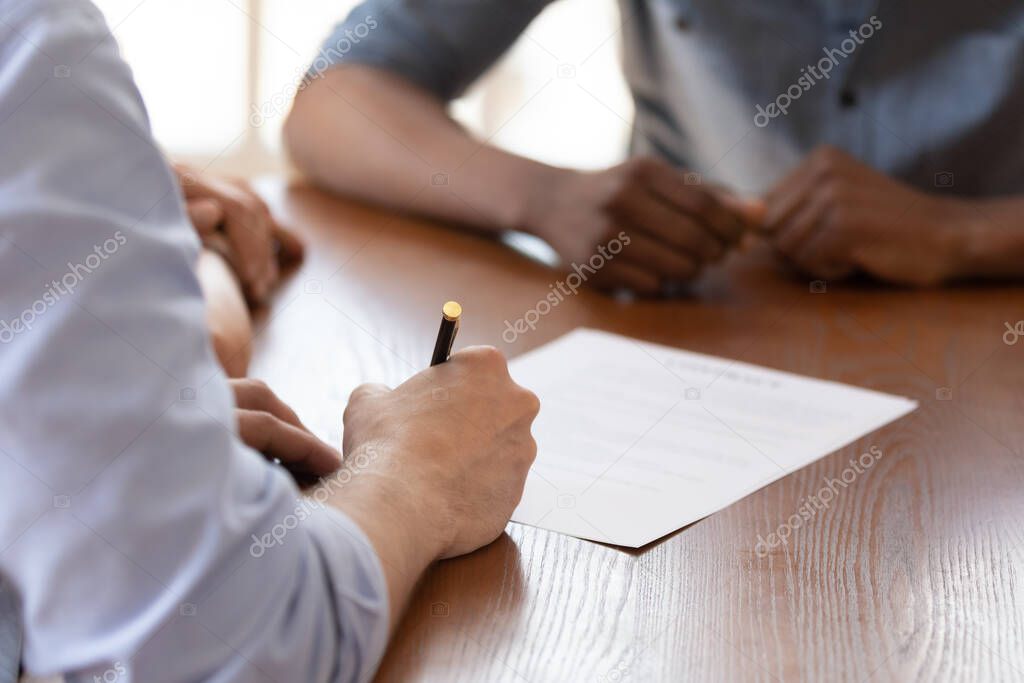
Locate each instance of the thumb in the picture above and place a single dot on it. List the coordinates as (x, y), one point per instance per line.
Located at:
(289, 247)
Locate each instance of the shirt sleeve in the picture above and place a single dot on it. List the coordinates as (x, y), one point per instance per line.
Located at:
(440, 45)
(145, 542)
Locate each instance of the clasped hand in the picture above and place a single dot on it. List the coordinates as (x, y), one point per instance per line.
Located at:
(233, 221)
(829, 218)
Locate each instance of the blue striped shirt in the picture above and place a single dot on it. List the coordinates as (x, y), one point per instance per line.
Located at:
(930, 92)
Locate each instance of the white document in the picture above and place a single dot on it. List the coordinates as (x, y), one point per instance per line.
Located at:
(636, 440)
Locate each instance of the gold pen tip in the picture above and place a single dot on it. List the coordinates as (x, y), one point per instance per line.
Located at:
(452, 310)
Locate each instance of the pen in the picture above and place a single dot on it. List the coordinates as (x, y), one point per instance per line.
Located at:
(450, 314)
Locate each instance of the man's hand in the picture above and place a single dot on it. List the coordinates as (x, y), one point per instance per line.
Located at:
(834, 215)
(268, 425)
(232, 220)
(453, 447)
(675, 227)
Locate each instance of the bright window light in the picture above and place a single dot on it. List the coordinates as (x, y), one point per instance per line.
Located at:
(217, 76)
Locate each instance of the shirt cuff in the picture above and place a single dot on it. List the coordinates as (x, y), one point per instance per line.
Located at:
(358, 586)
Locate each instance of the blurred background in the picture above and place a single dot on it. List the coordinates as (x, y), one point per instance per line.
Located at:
(206, 67)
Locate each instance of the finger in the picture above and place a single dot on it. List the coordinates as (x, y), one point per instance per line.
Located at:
(622, 275)
(206, 214)
(790, 236)
(249, 232)
(826, 253)
(252, 394)
(809, 244)
(787, 197)
(296, 448)
(290, 249)
(670, 184)
(783, 204)
(673, 228)
(653, 256)
(750, 209)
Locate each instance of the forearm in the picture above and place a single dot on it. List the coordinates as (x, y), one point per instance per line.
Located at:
(393, 144)
(227, 315)
(991, 243)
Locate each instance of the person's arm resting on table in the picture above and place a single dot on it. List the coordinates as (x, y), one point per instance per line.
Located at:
(140, 535)
(372, 123)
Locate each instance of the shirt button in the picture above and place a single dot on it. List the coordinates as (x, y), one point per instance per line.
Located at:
(682, 23)
(848, 98)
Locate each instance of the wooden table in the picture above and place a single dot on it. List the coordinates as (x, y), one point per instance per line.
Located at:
(913, 573)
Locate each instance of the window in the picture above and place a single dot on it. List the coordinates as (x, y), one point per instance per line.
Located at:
(204, 65)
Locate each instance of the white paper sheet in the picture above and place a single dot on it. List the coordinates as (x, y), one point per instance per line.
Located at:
(636, 440)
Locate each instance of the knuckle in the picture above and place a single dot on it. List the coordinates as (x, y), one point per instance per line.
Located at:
(262, 421)
(361, 392)
(488, 357)
(255, 390)
(257, 385)
(256, 203)
(248, 202)
(529, 451)
(531, 403)
(358, 395)
(349, 414)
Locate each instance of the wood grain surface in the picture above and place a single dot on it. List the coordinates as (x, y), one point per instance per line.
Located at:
(912, 573)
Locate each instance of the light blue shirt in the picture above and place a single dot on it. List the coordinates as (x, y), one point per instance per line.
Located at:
(143, 540)
(931, 92)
